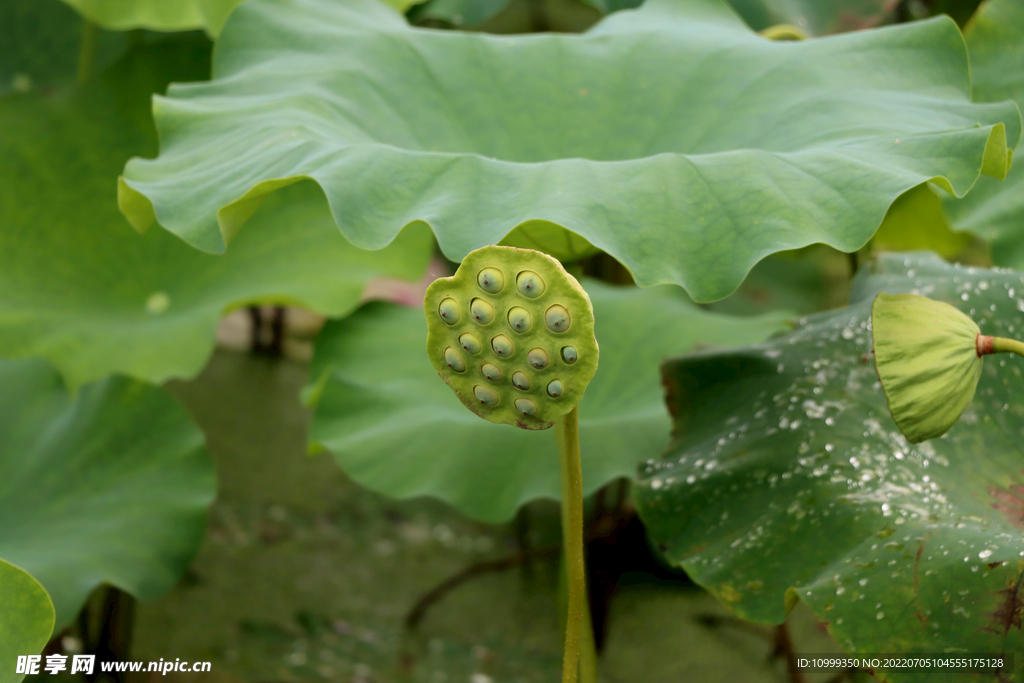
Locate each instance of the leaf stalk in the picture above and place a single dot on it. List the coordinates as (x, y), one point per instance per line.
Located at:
(567, 433)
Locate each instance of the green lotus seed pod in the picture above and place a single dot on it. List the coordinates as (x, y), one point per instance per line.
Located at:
(481, 311)
(503, 346)
(519, 319)
(491, 372)
(490, 280)
(928, 360)
(454, 360)
(557, 318)
(449, 311)
(470, 343)
(521, 381)
(569, 354)
(526, 406)
(526, 355)
(486, 395)
(537, 358)
(530, 284)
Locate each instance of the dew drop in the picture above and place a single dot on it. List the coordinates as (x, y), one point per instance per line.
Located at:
(482, 311)
(485, 395)
(557, 319)
(454, 360)
(449, 311)
(503, 346)
(158, 302)
(521, 380)
(530, 284)
(470, 343)
(491, 372)
(519, 319)
(538, 358)
(490, 280)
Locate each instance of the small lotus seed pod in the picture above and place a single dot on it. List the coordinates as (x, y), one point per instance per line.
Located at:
(538, 358)
(554, 388)
(530, 284)
(526, 406)
(520, 380)
(449, 311)
(454, 360)
(503, 346)
(486, 395)
(490, 280)
(519, 319)
(482, 311)
(928, 360)
(470, 343)
(491, 372)
(557, 318)
(569, 354)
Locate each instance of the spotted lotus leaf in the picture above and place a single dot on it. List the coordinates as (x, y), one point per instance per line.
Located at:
(512, 334)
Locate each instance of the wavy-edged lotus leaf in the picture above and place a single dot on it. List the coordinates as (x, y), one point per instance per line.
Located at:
(994, 210)
(671, 137)
(82, 289)
(395, 428)
(787, 479)
(928, 361)
(26, 619)
(524, 306)
(157, 15)
(109, 487)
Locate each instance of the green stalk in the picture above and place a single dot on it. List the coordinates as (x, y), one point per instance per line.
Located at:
(568, 435)
(1003, 345)
(87, 53)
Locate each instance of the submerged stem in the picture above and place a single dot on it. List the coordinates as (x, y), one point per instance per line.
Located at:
(87, 53)
(567, 432)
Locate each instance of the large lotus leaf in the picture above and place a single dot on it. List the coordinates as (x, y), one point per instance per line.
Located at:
(83, 289)
(26, 619)
(395, 427)
(787, 473)
(672, 136)
(109, 487)
(995, 210)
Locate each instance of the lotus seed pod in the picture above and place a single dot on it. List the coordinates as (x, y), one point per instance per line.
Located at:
(470, 343)
(544, 319)
(519, 319)
(481, 311)
(503, 346)
(530, 284)
(521, 381)
(454, 360)
(928, 361)
(491, 280)
(449, 311)
(537, 358)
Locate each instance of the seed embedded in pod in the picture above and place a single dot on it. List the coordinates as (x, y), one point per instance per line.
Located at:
(555, 388)
(538, 358)
(491, 372)
(485, 395)
(520, 319)
(490, 280)
(449, 311)
(526, 406)
(569, 354)
(502, 346)
(530, 284)
(470, 343)
(482, 311)
(454, 360)
(521, 380)
(557, 318)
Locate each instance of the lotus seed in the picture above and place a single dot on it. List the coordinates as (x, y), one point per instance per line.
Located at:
(526, 406)
(569, 354)
(485, 395)
(490, 280)
(555, 388)
(538, 358)
(530, 284)
(521, 380)
(470, 343)
(557, 318)
(482, 311)
(520, 319)
(492, 372)
(454, 360)
(449, 311)
(502, 346)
